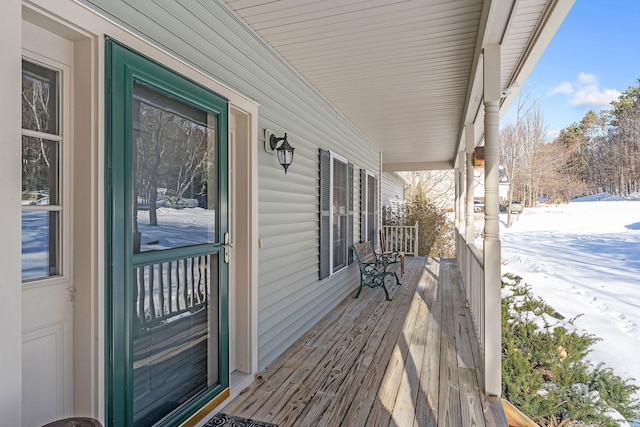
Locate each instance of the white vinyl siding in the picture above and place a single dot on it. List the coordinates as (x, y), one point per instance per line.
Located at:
(211, 38)
(392, 189)
(392, 192)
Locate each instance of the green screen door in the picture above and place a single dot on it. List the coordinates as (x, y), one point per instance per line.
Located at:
(167, 280)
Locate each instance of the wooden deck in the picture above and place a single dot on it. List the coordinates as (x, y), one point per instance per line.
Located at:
(371, 362)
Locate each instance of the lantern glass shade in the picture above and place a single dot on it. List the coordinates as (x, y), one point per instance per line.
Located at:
(285, 153)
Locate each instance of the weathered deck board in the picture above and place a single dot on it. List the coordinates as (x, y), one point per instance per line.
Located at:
(353, 379)
(364, 398)
(448, 414)
(427, 410)
(371, 362)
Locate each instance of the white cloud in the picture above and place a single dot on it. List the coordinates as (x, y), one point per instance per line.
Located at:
(586, 92)
(564, 88)
(593, 96)
(587, 79)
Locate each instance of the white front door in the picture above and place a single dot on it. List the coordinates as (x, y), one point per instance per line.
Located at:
(48, 288)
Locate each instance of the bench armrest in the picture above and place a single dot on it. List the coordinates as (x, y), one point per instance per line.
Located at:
(389, 257)
(374, 268)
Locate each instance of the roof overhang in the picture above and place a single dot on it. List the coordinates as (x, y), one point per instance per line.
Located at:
(408, 74)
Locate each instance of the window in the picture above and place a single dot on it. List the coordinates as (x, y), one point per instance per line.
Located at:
(368, 206)
(340, 215)
(336, 213)
(41, 168)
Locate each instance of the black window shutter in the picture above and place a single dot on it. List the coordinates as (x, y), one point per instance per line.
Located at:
(363, 205)
(325, 205)
(350, 230)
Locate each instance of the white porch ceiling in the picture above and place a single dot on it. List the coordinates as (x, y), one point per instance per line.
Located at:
(407, 73)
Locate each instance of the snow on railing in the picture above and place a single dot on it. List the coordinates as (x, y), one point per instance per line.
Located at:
(401, 238)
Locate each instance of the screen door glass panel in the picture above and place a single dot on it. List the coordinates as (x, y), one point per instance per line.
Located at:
(174, 169)
(175, 342)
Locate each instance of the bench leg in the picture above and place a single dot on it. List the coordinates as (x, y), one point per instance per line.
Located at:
(386, 292)
(359, 289)
(397, 280)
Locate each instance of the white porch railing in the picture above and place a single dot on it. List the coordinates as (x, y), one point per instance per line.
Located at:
(471, 264)
(401, 238)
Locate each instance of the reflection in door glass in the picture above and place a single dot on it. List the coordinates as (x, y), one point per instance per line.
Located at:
(175, 335)
(175, 173)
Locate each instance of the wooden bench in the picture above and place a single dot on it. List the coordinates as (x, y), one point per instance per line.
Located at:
(374, 268)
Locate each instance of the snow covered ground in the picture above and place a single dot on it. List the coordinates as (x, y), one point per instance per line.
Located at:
(583, 259)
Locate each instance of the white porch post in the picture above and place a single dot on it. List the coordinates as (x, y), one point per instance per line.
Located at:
(10, 229)
(469, 146)
(492, 250)
(456, 203)
(469, 231)
(462, 188)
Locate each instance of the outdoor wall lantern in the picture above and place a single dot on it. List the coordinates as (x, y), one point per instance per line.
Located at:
(284, 151)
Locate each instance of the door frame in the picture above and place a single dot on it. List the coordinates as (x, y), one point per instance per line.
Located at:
(87, 28)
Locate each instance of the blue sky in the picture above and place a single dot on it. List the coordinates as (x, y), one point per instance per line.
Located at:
(594, 56)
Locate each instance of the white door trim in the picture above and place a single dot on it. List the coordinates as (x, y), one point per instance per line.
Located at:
(86, 29)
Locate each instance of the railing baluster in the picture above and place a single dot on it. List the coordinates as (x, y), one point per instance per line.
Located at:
(387, 238)
(152, 304)
(193, 281)
(200, 280)
(405, 240)
(205, 284)
(185, 283)
(170, 287)
(177, 286)
(136, 304)
(161, 288)
(141, 292)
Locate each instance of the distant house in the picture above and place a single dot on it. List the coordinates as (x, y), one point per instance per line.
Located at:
(392, 191)
(478, 183)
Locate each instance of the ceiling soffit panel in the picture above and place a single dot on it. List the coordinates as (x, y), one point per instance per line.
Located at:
(399, 70)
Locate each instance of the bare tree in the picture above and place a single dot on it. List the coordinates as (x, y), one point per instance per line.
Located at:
(437, 185)
(516, 148)
(173, 153)
(35, 116)
(624, 144)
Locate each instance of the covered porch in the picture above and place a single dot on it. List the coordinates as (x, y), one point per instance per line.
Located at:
(411, 361)
(386, 86)
(428, 83)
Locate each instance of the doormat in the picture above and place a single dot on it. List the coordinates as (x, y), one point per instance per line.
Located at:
(224, 420)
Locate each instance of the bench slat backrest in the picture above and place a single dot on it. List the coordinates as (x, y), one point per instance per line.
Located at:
(364, 252)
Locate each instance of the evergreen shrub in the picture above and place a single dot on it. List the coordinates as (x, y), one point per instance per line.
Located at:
(545, 372)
